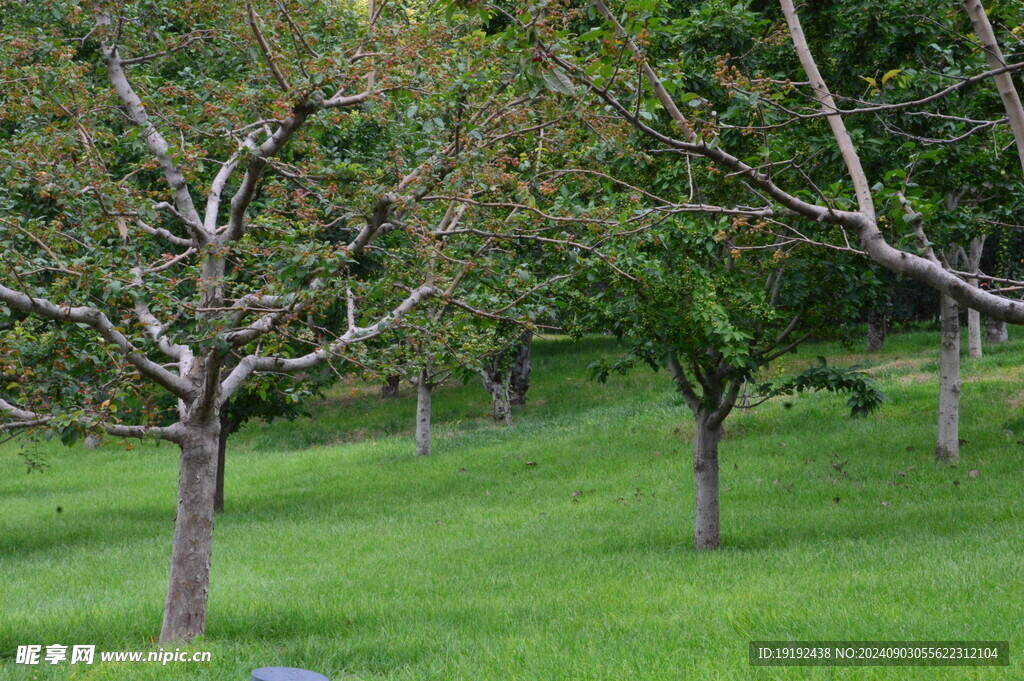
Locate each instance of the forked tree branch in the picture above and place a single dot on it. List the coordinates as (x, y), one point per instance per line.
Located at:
(98, 321)
(255, 363)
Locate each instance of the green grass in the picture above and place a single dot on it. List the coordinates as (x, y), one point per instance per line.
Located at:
(342, 552)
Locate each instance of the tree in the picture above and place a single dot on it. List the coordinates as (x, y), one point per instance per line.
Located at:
(185, 231)
(505, 372)
(717, 308)
(763, 145)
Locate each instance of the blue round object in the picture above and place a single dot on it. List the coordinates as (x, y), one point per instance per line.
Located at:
(286, 674)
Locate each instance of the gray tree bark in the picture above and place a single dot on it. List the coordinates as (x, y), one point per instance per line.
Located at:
(501, 403)
(390, 387)
(424, 390)
(1004, 81)
(973, 316)
(947, 446)
(189, 581)
(520, 379)
(876, 330)
(719, 395)
(995, 331)
(974, 334)
(707, 526)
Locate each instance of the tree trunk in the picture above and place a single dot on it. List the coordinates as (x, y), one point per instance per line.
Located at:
(390, 387)
(218, 492)
(947, 447)
(501, 404)
(974, 334)
(974, 251)
(520, 379)
(995, 331)
(876, 330)
(707, 535)
(423, 395)
(189, 583)
(497, 377)
(228, 427)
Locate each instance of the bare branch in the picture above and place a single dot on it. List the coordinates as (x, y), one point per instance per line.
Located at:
(98, 322)
(162, 233)
(156, 330)
(860, 181)
(649, 74)
(156, 144)
(1004, 82)
(254, 24)
(255, 363)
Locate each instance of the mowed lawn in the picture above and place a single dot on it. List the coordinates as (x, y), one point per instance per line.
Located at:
(558, 549)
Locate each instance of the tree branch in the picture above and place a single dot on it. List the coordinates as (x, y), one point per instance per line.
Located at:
(98, 322)
(156, 144)
(254, 363)
(1004, 81)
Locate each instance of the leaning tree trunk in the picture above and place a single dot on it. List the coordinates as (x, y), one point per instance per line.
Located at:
(995, 331)
(947, 446)
(876, 330)
(390, 387)
(519, 382)
(189, 583)
(707, 533)
(424, 388)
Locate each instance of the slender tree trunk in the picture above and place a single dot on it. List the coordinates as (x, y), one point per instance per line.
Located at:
(974, 251)
(995, 331)
(973, 334)
(947, 447)
(189, 583)
(218, 492)
(228, 427)
(390, 387)
(707, 533)
(424, 390)
(520, 379)
(876, 330)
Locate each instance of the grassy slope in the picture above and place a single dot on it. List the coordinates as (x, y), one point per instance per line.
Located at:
(356, 559)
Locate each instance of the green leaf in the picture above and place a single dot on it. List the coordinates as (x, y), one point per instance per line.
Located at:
(557, 80)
